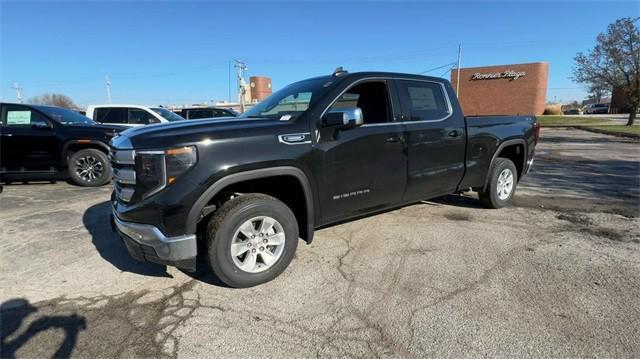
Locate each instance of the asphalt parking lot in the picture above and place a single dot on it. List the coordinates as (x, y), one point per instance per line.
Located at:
(557, 274)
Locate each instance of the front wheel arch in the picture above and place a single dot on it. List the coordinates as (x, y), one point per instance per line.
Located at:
(197, 213)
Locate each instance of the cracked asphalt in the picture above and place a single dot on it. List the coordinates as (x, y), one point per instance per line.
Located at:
(555, 275)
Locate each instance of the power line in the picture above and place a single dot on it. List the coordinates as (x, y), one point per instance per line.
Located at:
(436, 68)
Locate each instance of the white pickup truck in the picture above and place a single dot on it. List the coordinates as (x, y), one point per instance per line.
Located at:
(130, 115)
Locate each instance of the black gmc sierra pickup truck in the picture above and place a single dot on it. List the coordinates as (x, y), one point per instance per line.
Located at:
(50, 143)
(318, 152)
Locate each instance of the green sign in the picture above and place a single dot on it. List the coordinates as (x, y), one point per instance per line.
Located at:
(18, 117)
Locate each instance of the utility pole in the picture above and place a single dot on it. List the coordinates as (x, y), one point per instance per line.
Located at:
(107, 84)
(458, 80)
(17, 87)
(240, 69)
(229, 99)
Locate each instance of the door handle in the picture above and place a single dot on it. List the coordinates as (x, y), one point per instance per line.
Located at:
(455, 133)
(394, 139)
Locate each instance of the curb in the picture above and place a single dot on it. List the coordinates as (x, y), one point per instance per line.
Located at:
(605, 132)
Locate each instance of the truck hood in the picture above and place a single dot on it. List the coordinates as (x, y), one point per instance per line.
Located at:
(191, 131)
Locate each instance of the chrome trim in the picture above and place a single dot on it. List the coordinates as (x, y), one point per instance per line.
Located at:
(443, 88)
(123, 193)
(126, 176)
(282, 138)
(167, 248)
(122, 157)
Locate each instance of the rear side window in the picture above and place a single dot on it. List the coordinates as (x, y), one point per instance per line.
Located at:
(140, 117)
(111, 115)
(16, 115)
(423, 101)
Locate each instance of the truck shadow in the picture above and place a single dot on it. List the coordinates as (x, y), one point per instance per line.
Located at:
(15, 312)
(96, 220)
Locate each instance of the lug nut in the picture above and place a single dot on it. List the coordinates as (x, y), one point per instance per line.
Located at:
(265, 241)
(249, 244)
(261, 234)
(253, 250)
(261, 249)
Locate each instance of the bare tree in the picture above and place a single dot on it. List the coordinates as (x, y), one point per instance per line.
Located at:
(53, 99)
(615, 60)
(598, 90)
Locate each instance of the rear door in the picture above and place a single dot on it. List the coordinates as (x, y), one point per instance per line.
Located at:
(435, 139)
(29, 141)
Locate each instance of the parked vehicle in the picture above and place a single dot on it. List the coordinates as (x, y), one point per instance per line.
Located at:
(130, 115)
(45, 142)
(197, 113)
(597, 108)
(318, 152)
(573, 111)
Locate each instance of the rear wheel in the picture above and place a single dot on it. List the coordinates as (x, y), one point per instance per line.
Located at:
(251, 240)
(89, 167)
(503, 179)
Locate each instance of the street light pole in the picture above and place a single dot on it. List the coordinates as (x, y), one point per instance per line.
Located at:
(458, 80)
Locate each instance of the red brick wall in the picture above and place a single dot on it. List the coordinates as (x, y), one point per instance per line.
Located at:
(503, 96)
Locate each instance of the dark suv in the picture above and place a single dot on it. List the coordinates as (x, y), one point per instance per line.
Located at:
(46, 142)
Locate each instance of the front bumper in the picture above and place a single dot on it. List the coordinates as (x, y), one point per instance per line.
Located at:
(147, 243)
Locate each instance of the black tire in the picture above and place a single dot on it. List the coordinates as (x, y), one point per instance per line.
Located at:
(490, 197)
(97, 159)
(222, 228)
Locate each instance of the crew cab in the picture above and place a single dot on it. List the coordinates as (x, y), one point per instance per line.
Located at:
(240, 192)
(130, 115)
(49, 143)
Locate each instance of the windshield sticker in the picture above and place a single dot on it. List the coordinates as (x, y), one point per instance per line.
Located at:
(18, 117)
(285, 118)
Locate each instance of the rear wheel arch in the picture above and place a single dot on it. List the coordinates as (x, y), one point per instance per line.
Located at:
(514, 150)
(260, 181)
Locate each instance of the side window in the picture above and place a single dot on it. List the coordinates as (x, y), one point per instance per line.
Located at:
(371, 97)
(423, 100)
(16, 115)
(196, 114)
(140, 117)
(111, 115)
(220, 113)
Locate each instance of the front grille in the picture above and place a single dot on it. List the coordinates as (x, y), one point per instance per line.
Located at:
(124, 174)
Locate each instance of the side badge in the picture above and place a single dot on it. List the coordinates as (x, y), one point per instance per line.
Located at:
(295, 138)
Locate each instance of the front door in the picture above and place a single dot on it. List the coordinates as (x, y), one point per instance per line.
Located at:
(29, 142)
(363, 168)
(435, 139)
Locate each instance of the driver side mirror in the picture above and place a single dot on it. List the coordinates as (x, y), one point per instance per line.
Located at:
(343, 118)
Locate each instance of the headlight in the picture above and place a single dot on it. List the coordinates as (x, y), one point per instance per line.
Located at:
(157, 169)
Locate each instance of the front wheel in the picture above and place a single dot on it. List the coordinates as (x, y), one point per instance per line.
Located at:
(89, 167)
(503, 179)
(251, 240)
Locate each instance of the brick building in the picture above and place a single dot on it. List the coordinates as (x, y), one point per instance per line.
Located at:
(518, 89)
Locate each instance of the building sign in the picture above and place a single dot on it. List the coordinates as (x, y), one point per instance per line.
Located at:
(509, 74)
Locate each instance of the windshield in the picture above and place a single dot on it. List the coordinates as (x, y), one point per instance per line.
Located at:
(292, 100)
(167, 115)
(65, 116)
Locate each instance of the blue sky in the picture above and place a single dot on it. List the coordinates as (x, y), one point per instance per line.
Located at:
(177, 52)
